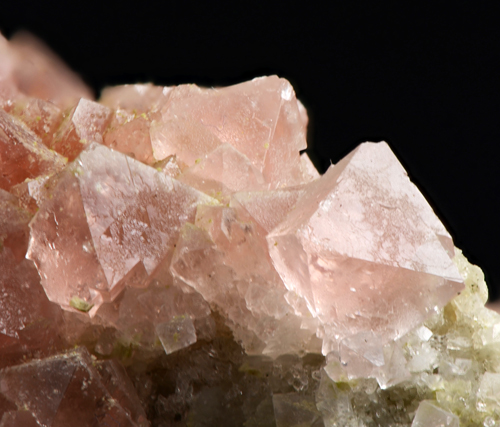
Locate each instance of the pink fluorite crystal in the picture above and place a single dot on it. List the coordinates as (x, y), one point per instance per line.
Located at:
(260, 119)
(85, 124)
(23, 154)
(364, 250)
(106, 214)
(29, 68)
(52, 391)
(188, 230)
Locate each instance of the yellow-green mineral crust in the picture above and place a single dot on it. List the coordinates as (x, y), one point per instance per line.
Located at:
(450, 362)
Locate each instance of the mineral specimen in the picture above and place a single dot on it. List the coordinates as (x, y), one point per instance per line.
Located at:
(168, 257)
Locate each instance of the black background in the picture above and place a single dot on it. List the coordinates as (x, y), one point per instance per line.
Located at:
(422, 76)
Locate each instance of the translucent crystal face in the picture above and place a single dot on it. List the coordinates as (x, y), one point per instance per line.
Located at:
(106, 214)
(364, 250)
(169, 257)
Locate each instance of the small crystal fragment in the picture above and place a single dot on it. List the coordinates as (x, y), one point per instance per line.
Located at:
(22, 153)
(176, 334)
(429, 415)
(169, 166)
(131, 138)
(85, 124)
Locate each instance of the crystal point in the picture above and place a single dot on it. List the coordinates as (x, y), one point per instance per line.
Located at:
(23, 154)
(92, 202)
(85, 124)
(348, 243)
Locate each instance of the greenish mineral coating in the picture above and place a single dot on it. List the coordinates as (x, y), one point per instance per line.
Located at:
(80, 305)
(452, 362)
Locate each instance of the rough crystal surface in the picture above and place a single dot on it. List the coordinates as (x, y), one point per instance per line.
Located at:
(169, 257)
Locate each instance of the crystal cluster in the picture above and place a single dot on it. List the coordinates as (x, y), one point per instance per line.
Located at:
(168, 257)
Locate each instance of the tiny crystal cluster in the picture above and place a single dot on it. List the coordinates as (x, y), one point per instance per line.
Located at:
(168, 257)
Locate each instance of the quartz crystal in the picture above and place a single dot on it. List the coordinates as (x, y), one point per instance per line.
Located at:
(170, 256)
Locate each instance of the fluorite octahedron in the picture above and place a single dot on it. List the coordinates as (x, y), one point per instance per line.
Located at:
(168, 257)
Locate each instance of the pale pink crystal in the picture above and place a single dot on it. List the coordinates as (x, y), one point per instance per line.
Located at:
(226, 261)
(85, 124)
(268, 208)
(135, 99)
(29, 323)
(169, 166)
(309, 171)
(42, 117)
(303, 113)
(107, 214)
(37, 72)
(364, 250)
(31, 192)
(22, 154)
(68, 390)
(222, 172)
(131, 137)
(189, 141)
(62, 248)
(259, 118)
(177, 333)
(22, 300)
